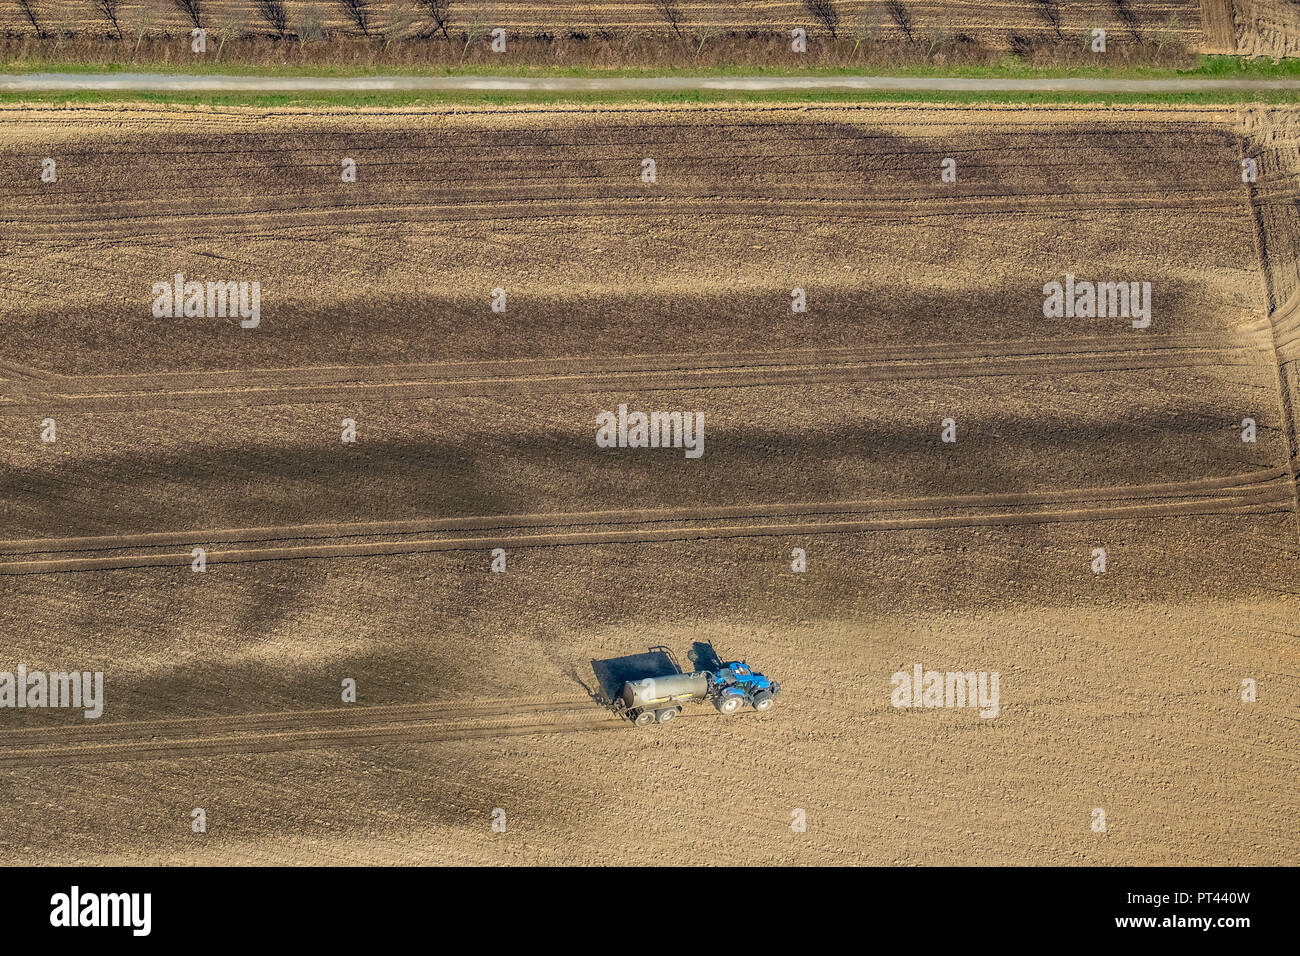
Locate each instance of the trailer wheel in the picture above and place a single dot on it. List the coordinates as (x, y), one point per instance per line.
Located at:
(665, 715)
(645, 718)
(762, 700)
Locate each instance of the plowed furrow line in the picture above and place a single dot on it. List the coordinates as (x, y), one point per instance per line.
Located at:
(1273, 501)
(324, 375)
(231, 223)
(1217, 26)
(18, 371)
(1198, 125)
(284, 722)
(894, 175)
(817, 180)
(1250, 484)
(584, 382)
(306, 739)
(1287, 328)
(581, 130)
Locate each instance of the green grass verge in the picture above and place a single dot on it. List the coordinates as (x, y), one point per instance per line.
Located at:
(1010, 67)
(397, 99)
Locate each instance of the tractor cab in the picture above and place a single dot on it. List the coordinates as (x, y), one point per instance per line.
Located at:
(738, 673)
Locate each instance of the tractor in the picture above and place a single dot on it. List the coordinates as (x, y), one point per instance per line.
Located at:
(730, 688)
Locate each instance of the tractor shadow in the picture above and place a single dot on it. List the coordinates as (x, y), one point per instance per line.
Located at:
(704, 657)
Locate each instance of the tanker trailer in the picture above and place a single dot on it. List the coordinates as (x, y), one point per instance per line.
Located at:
(659, 698)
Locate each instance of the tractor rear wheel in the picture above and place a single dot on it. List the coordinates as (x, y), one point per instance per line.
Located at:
(665, 715)
(763, 700)
(645, 718)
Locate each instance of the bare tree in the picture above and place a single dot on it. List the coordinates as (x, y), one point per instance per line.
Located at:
(704, 35)
(939, 36)
(143, 24)
(901, 17)
(476, 29)
(28, 7)
(672, 15)
(1129, 18)
(65, 25)
(192, 9)
(440, 12)
(1168, 33)
(825, 13)
(275, 15)
(358, 12)
(399, 21)
(1021, 46)
(109, 10)
(864, 29)
(228, 26)
(1051, 12)
(310, 28)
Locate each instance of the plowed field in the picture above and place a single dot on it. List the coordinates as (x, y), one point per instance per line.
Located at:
(1121, 688)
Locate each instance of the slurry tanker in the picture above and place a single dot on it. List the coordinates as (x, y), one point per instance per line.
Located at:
(731, 687)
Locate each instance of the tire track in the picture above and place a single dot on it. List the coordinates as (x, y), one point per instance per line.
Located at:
(1284, 320)
(1248, 484)
(124, 743)
(1217, 26)
(247, 220)
(284, 722)
(290, 187)
(637, 362)
(525, 378)
(1263, 499)
(700, 187)
(306, 738)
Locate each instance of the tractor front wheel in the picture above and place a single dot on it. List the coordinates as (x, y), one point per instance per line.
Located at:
(728, 704)
(762, 700)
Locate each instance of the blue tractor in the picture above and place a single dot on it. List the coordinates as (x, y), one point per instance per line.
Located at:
(730, 687)
(736, 685)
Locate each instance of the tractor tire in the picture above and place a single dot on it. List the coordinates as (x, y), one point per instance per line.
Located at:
(645, 718)
(728, 704)
(665, 715)
(763, 700)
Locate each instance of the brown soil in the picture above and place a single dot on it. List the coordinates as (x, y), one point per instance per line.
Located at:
(1119, 691)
